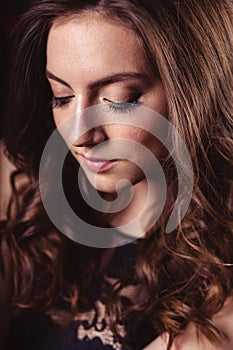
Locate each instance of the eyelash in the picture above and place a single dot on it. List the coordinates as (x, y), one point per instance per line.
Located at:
(122, 107)
(59, 102)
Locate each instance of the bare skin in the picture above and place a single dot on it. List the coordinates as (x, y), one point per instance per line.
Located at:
(189, 340)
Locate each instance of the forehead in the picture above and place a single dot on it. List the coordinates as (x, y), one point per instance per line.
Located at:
(88, 46)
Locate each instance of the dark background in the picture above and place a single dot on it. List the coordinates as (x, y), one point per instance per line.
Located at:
(9, 14)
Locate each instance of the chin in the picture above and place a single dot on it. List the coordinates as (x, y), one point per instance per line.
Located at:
(112, 185)
(104, 186)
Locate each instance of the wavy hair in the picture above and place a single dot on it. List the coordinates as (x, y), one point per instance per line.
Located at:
(185, 276)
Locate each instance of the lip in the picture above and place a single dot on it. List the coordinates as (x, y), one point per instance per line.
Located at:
(98, 165)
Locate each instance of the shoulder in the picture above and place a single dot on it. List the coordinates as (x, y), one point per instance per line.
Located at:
(189, 340)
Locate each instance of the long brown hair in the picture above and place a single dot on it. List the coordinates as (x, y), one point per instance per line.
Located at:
(185, 276)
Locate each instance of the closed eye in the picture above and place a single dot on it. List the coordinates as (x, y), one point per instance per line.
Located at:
(123, 107)
(58, 102)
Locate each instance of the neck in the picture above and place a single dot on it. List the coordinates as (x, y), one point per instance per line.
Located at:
(139, 215)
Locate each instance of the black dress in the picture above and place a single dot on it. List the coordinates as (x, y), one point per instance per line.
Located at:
(89, 330)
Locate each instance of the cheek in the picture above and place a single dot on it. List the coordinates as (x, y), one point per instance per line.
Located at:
(58, 117)
(138, 135)
(129, 133)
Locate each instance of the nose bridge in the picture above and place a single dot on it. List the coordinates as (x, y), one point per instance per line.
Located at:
(86, 133)
(82, 102)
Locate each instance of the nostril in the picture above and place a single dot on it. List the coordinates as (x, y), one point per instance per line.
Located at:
(99, 135)
(90, 138)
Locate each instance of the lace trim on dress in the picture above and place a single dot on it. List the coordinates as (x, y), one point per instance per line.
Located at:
(95, 324)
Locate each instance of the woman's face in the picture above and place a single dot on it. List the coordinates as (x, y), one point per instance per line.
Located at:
(93, 61)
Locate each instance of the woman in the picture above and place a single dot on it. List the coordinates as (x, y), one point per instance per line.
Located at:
(162, 290)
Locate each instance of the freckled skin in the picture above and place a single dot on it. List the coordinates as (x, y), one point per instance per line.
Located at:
(82, 51)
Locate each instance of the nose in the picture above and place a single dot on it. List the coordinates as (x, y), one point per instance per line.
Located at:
(91, 137)
(87, 133)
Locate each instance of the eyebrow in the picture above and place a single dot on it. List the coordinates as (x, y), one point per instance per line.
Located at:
(115, 78)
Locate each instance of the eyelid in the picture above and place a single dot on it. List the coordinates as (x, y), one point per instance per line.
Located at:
(58, 90)
(121, 107)
(60, 97)
(58, 102)
(132, 99)
(120, 104)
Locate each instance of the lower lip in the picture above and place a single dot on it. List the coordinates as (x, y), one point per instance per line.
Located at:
(98, 166)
